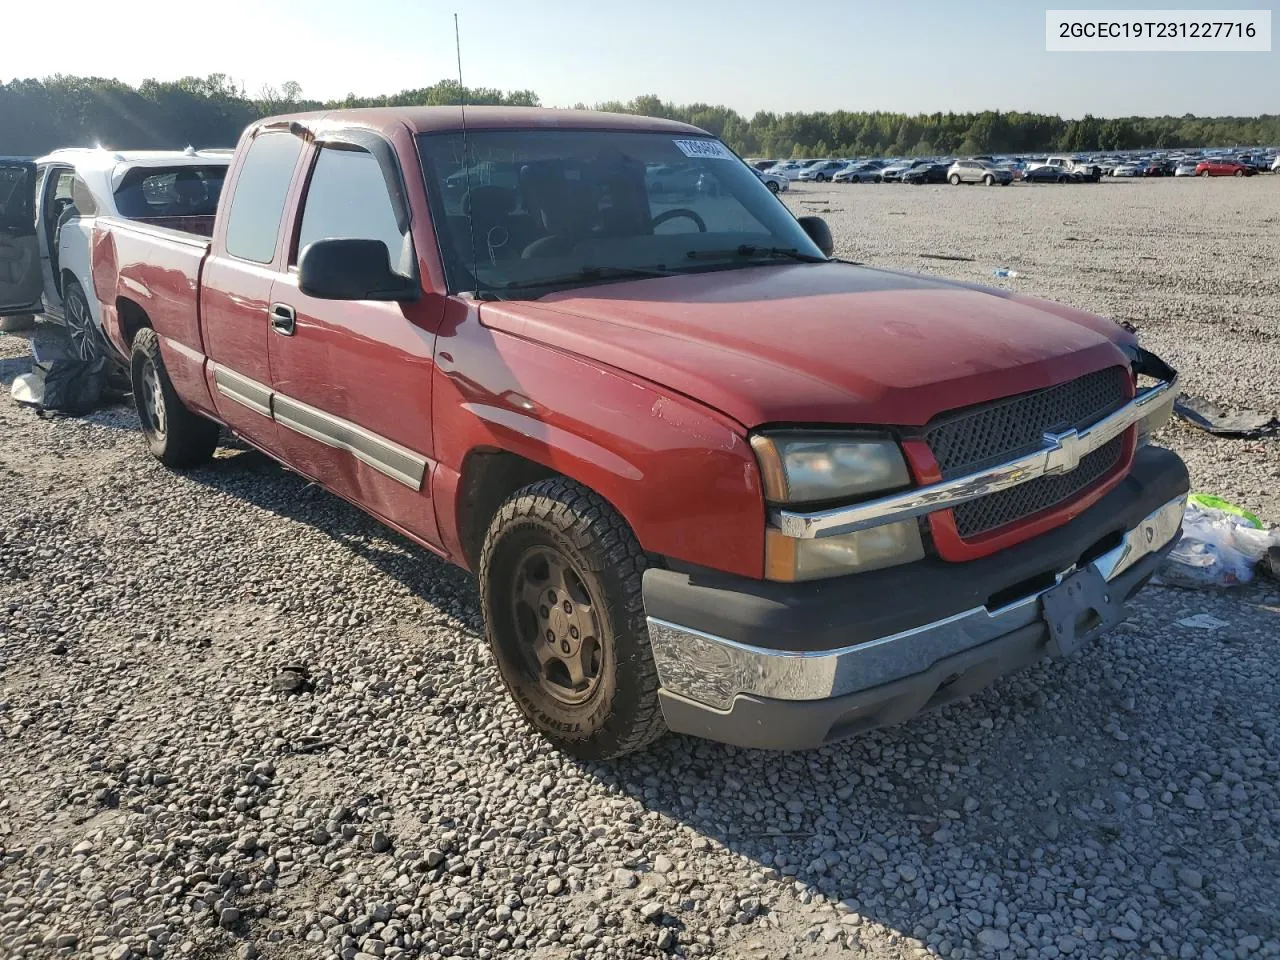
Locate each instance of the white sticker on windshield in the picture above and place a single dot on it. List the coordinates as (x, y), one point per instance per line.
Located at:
(708, 149)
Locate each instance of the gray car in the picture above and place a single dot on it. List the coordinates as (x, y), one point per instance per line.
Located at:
(979, 171)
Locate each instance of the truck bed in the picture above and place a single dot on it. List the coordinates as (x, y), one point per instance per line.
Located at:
(156, 269)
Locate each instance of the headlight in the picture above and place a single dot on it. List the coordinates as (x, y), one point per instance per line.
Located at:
(787, 558)
(804, 466)
(808, 466)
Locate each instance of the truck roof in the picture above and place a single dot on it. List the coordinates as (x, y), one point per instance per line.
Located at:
(449, 119)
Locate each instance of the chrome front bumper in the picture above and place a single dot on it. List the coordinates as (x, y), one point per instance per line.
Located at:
(712, 672)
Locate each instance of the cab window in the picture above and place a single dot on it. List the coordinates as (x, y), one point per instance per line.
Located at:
(347, 198)
(260, 194)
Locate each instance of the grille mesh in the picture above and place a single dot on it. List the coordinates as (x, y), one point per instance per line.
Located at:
(997, 509)
(981, 437)
(976, 439)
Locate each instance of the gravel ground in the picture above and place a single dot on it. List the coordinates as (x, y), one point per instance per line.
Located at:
(238, 719)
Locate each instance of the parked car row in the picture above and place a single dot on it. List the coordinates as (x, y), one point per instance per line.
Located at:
(1005, 169)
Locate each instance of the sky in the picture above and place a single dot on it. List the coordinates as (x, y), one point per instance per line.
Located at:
(911, 56)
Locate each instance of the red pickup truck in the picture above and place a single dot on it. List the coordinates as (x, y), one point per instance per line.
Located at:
(710, 478)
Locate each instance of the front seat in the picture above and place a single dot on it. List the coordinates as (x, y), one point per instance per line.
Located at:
(564, 210)
(493, 225)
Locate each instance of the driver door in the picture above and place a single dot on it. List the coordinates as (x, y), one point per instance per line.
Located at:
(20, 279)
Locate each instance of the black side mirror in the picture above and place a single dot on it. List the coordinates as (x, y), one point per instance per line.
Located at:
(819, 233)
(352, 270)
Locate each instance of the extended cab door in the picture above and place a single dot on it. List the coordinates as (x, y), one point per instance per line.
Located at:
(20, 280)
(352, 378)
(235, 283)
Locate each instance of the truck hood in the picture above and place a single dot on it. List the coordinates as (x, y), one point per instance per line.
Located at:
(821, 343)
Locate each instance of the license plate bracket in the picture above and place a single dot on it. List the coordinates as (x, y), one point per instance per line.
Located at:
(1079, 610)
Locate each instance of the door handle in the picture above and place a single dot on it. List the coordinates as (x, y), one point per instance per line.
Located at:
(283, 319)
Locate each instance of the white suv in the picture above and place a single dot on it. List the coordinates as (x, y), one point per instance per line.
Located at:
(47, 211)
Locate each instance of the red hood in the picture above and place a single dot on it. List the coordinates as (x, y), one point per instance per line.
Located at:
(821, 343)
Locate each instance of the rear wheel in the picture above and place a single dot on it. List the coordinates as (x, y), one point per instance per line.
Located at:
(1204, 173)
(86, 339)
(176, 437)
(1062, 179)
(560, 576)
(955, 179)
(773, 187)
(821, 178)
(1239, 173)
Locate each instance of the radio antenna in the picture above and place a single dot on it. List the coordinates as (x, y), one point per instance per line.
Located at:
(466, 161)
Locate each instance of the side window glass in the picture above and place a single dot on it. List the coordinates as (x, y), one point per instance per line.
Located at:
(347, 199)
(16, 196)
(260, 194)
(82, 198)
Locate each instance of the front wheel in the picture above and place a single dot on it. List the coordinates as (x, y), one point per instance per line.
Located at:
(955, 179)
(773, 187)
(560, 587)
(1238, 173)
(176, 437)
(1204, 173)
(989, 180)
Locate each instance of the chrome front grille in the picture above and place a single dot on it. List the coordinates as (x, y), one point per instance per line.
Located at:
(1009, 506)
(981, 437)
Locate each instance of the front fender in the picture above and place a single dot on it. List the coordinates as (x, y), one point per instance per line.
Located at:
(682, 475)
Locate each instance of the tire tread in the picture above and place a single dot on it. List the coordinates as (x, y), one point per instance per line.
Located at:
(587, 520)
(190, 439)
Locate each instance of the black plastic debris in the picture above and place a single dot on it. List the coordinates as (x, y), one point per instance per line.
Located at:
(75, 386)
(291, 678)
(1209, 417)
(62, 382)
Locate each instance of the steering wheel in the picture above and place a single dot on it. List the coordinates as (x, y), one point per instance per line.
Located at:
(679, 212)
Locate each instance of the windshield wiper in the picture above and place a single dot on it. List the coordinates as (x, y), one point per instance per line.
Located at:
(588, 274)
(751, 250)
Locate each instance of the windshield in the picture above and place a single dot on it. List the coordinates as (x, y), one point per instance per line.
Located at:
(539, 210)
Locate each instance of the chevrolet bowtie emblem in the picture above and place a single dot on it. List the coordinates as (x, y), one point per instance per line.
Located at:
(1063, 451)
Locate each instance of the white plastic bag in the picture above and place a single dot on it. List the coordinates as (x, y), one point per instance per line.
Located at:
(1218, 549)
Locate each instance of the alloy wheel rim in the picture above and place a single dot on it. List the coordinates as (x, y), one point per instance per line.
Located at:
(153, 399)
(558, 626)
(78, 327)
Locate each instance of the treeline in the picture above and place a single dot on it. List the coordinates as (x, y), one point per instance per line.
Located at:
(38, 115)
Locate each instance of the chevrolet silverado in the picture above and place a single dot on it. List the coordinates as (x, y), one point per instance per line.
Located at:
(710, 478)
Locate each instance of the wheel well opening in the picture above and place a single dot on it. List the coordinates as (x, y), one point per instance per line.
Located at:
(488, 478)
(132, 319)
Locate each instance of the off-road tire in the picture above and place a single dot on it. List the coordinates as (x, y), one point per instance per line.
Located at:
(183, 439)
(622, 714)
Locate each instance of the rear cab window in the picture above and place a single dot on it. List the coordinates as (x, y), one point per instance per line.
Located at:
(261, 191)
